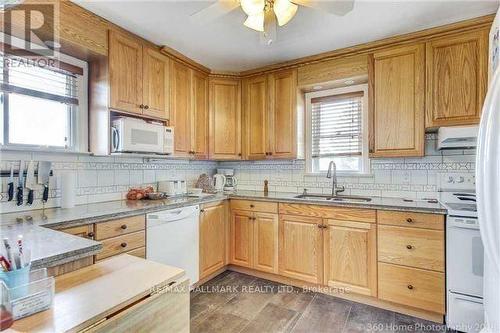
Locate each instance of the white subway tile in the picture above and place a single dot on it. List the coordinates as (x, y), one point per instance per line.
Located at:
(87, 178)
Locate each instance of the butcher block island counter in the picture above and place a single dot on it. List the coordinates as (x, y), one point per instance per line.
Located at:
(120, 294)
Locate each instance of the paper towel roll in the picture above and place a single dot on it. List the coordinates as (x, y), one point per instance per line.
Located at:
(68, 189)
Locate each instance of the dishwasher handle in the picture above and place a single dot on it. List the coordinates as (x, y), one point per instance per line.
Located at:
(171, 215)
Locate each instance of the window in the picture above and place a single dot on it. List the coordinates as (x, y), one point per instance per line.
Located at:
(43, 106)
(336, 129)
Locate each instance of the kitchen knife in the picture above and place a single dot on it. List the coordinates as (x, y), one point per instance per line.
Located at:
(10, 185)
(20, 184)
(43, 178)
(30, 182)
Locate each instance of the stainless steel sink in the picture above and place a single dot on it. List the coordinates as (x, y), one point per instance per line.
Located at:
(338, 198)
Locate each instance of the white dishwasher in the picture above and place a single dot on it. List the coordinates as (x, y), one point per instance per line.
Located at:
(172, 238)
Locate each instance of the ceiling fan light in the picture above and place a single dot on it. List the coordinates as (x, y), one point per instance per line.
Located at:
(252, 7)
(255, 22)
(284, 10)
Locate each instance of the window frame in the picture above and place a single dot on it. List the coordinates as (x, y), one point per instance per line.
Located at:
(78, 118)
(365, 160)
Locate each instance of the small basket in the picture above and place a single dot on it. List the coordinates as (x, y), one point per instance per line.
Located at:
(26, 292)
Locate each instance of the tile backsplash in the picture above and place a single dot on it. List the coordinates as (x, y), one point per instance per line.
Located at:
(109, 178)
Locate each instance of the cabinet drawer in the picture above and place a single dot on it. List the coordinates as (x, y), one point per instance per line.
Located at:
(413, 247)
(412, 287)
(255, 206)
(121, 244)
(326, 212)
(119, 227)
(139, 252)
(409, 219)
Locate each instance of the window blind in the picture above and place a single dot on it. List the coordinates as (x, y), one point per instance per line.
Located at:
(336, 125)
(22, 76)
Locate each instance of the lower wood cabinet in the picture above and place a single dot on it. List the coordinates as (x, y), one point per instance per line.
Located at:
(254, 240)
(301, 248)
(350, 256)
(85, 231)
(212, 239)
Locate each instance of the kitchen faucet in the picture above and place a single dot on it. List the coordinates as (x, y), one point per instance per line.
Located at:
(332, 173)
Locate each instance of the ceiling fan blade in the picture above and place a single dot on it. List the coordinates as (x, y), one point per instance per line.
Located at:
(217, 9)
(337, 7)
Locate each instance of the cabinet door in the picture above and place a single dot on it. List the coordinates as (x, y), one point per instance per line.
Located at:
(156, 83)
(255, 114)
(457, 72)
(266, 242)
(397, 113)
(181, 108)
(225, 119)
(283, 114)
(125, 73)
(241, 238)
(301, 248)
(212, 240)
(351, 256)
(199, 99)
(85, 231)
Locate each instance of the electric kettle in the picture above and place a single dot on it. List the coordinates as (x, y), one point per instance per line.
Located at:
(219, 181)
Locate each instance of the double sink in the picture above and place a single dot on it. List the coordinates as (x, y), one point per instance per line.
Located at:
(337, 198)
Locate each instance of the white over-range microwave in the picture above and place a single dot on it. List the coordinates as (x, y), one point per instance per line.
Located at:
(131, 135)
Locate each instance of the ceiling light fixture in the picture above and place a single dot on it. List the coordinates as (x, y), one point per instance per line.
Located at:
(264, 14)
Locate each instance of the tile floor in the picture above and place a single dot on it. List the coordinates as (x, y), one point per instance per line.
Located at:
(234, 302)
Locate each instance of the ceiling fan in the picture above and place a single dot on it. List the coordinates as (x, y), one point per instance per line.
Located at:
(265, 15)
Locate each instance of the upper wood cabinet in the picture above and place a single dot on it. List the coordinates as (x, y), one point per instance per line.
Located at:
(199, 102)
(270, 112)
(125, 72)
(255, 115)
(283, 114)
(457, 73)
(350, 253)
(156, 84)
(212, 239)
(301, 248)
(139, 77)
(181, 108)
(225, 119)
(397, 85)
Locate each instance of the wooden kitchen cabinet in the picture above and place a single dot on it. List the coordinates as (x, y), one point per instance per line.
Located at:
(139, 77)
(212, 239)
(283, 114)
(255, 115)
(156, 84)
(241, 230)
(301, 248)
(350, 256)
(85, 231)
(457, 74)
(397, 84)
(265, 247)
(125, 72)
(225, 119)
(181, 108)
(270, 111)
(199, 101)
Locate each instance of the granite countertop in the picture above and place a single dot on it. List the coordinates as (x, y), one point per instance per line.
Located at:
(50, 247)
(399, 204)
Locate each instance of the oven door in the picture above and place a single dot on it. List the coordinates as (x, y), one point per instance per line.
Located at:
(144, 138)
(464, 256)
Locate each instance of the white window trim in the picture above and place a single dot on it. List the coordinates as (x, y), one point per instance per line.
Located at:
(364, 123)
(80, 132)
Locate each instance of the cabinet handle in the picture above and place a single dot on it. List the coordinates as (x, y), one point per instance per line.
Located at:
(141, 106)
(239, 154)
(146, 107)
(410, 287)
(409, 220)
(124, 226)
(320, 226)
(123, 244)
(409, 247)
(202, 211)
(90, 235)
(252, 206)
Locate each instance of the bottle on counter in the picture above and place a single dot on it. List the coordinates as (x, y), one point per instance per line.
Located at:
(266, 187)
